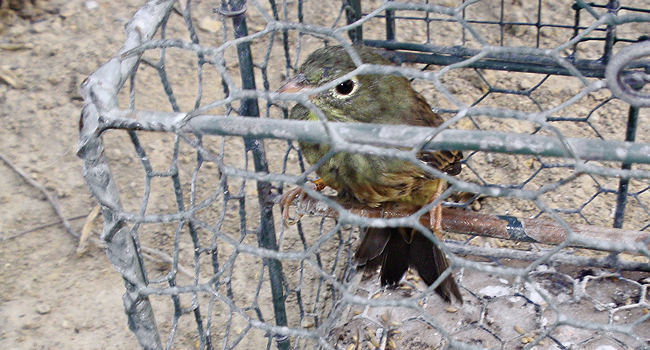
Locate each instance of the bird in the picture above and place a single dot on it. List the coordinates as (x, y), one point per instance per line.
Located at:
(371, 179)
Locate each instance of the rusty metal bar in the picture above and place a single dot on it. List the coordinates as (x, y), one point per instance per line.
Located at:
(500, 226)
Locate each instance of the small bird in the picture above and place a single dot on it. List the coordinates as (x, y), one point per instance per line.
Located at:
(375, 180)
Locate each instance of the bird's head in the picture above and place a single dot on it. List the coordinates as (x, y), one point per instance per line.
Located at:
(359, 98)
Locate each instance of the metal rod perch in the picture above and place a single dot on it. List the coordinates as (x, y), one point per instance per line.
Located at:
(503, 227)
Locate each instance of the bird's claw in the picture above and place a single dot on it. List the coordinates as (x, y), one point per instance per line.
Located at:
(286, 200)
(290, 196)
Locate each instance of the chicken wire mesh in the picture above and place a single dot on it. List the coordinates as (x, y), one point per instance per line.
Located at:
(546, 229)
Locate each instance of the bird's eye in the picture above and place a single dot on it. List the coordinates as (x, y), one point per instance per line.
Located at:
(346, 88)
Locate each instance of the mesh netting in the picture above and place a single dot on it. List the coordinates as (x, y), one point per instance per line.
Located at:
(188, 147)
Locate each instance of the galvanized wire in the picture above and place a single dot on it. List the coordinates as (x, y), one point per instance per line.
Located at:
(207, 193)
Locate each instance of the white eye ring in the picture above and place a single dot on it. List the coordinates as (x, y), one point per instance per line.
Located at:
(346, 89)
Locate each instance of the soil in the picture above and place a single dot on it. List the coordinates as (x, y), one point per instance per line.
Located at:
(51, 297)
(54, 297)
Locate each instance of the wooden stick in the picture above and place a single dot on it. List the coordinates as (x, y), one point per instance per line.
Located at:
(51, 198)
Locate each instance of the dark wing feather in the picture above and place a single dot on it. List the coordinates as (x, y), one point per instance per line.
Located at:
(430, 263)
(372, 245)
(395, 249)
(396, 260)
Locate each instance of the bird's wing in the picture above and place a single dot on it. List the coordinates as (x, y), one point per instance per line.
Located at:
(447, 161)
(372, 245)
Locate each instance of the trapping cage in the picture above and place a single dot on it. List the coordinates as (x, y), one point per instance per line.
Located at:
(187, 146)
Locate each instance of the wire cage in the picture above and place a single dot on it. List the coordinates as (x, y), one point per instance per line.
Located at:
(187, 147)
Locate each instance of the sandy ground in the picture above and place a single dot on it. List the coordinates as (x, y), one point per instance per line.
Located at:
(53, 298)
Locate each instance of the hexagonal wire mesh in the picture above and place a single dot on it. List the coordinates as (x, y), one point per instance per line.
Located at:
(539, 95)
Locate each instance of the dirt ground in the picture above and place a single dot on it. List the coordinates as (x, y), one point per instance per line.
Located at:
(51, 297)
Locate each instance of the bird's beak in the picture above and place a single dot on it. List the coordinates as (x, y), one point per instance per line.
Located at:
(295, 84)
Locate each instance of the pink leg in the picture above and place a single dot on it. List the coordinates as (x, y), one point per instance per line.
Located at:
(290, 196)
(435, 214)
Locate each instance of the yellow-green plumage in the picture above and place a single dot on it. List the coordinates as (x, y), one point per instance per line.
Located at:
(373, 180)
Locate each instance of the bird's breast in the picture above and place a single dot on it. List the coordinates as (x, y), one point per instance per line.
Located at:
(370, 179)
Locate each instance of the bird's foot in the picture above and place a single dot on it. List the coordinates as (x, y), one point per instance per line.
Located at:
(290, 196)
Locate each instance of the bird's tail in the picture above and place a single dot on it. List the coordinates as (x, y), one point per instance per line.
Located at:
(395, 249)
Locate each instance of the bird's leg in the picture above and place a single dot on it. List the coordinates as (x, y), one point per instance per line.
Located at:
(290, 196)
(435, 214)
